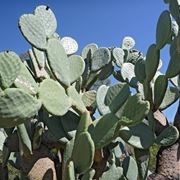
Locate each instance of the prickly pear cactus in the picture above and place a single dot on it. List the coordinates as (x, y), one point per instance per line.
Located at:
(60, 121)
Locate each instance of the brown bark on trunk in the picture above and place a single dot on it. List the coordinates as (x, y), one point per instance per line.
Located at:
(168, 158)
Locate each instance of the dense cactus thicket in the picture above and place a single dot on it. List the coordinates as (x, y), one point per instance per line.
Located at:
(50, 99)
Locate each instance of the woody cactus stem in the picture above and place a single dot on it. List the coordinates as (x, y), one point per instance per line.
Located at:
(168, 158)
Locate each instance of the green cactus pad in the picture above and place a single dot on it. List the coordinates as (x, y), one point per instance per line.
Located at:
(174, 66)
(24, 141)
(128, 43)
(152, 62)
(142, 159)
(47, 18)
(140, 71)
(3, 136)
(25, 81)
(89, 98)
(89, 174)
(77, 67)
(127, 72)
(37, 136)
(70, 174)
(100, 98)
(106, 71)
(174, 9)
(58, 61)
(118, 55)
(70, 123)
(70, 45)
(163, 30)
(172, 94)
(54, 98)
(130, 169)
(33, 30)
(160, 87)
(112, 173)
(168, 136)
(175, 81)
(10, 65)
(90, 48)
(67, 155)
(76, 99)
(40, 57)
(116, 96)
(139, 136)
(104, 131)
(83, 146)
(84, 123)
(55, 127)
(17, 106)
(100, 58)
(135, 110)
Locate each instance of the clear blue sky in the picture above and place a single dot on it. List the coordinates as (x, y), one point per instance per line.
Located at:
(105, 22)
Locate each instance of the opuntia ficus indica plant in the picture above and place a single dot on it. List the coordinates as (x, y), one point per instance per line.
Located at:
(49, 99)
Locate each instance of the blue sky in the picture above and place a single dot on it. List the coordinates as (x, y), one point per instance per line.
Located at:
(104, 22)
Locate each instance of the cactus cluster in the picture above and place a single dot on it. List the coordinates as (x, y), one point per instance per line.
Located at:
(48, 103)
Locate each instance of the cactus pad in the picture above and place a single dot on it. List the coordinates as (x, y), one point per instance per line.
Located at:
(160, 87)
(77, 67)
(17, 106)
(168, 136)
(90, 48)
(135, 110)
(163, 31)
(104, 130)
(118, 55)
(130, 169)
(70, 45)
(25, 81)
(54, 98)
(152, 62)
(10, 65)
(33, 30)
(136, 137)
(58, 61)
(84, 145)
(100, 58)
(47, 18)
